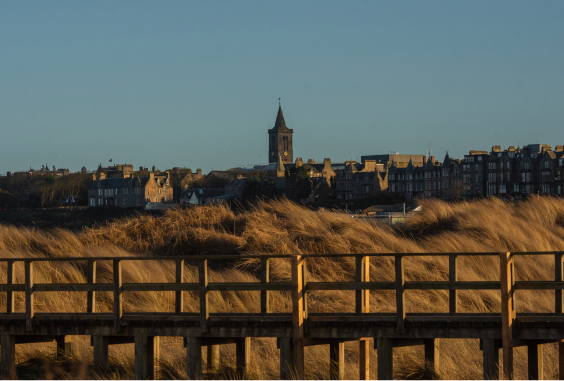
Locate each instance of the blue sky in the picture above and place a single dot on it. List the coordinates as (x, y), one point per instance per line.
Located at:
(196, 84)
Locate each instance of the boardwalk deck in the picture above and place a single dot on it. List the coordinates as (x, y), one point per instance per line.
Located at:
(294, 330)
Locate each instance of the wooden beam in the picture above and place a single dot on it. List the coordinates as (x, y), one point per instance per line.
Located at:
(558, 277)
(10, 296)
(179, 300)
(100, 344)
(507, 312)
(298, 316)
(213, 358)
(91, 296)
(385, 358)
(287, 369)
(363, 306)
(194, 358)
(364, 359)
(400, 294)
(64, 346)
(29, 305)
(432, 355)
(8, 357)
(204, 309)
(452, 277)
(337, 361)
(265, 278)
(534, 362)
(491, 359)
(118, 298)
(146, 356)
(561, 361)
(243, 354)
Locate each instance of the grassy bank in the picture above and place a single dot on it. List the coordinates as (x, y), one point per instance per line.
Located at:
(284, 228)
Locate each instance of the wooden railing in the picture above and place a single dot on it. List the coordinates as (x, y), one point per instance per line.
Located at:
(299, 287)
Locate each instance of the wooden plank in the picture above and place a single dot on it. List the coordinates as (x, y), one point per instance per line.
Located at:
(213, 358)
(385, 358)
(194, 358)
(251, 286)
(337, 361)
(491, 359)
(304, 293)
(243, 355)
(534, 362)
(287, 369)
(204, 309)
(146, 356)
(64, 346)
(539, 285)
(343, 286)
(12, 288)
(452, 277)
(265, 278)
(400, 293)
(71, 287)
(558, 277)
(10, 296)
(364, 359)
(118, 297)
(100, 344)
(91, 296)
(179, 297)
(29, 305)
(298, 316)
(8, 357)
(507, 312)
(561, 361)
(432, 355)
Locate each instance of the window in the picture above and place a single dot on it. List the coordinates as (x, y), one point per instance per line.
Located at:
(477, 167)
(502, 188)
(492, 177)
(92, 202)
(546, 163)
(507, 176)
(559, 189)
(558, 175)
(479, 158)
(477, 178)
(508, 165)
(393, 187)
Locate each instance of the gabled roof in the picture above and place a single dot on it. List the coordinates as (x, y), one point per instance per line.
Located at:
(112, 183)
(203, 192)
(351, 168)
(410, 166)
(280, 123)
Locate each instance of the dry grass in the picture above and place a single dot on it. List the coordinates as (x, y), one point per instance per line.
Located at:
(282, 227)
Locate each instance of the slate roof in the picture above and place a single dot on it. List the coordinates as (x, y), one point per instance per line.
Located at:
(203, 193)
(113, 183)
(280, 124)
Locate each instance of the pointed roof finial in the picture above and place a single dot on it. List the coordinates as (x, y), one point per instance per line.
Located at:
(279, 104)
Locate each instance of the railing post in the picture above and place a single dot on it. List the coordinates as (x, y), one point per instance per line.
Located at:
(304, 293)
(507, 311)
(8, 359)
(452, 277)
(91, 298)
(118, 298)
(400, 293)
(11, 280)
(298, 315)
(204, 310)
(29, 311)
(559, 277)
(363, 306)
(264, 278)
(179, 301)
(534, 362)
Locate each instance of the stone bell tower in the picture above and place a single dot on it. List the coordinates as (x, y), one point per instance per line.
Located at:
(280, 140)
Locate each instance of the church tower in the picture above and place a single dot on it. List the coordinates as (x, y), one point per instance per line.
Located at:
(280, 141)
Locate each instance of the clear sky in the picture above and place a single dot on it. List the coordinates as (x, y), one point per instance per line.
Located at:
(196, 84)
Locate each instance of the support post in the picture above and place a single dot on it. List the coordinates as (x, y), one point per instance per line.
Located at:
(432, 355)
(385, 358)
(204, 310)
(452, 277)
(507, 311)
(64, 346)
(8, 357)
(100, 344)
(287, 369)
(491, 359)
(561, 361)
(10, 295)
(29, 305)
(213, 358)
(243, 354)
(91, 295)
(265, 278)
(363, 306)
(534, 363)
(559, 277)
(400, 293)
(337, 361)
(298, 315)
(118, 298)
(146, 356)
(194, 358)
(179, 300)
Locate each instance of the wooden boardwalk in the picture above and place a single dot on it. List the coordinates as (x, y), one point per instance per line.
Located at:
(293, 330)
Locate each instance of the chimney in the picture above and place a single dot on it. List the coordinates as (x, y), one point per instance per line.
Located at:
(432, 158)
(310, 161)
(152, 175)
(369, 165)
(189, 171)
(327, 163)
(299, 162)
(102, 175)
(424, 160)
(140, 169)
(559, 148)
(199, 172)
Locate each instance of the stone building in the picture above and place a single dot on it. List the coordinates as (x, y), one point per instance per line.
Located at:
(360, 180)
(280, 141)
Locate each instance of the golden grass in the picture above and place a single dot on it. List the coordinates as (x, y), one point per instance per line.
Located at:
(282, 227)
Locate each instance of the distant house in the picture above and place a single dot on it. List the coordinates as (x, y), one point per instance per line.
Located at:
(236, 186)
(202, 196)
